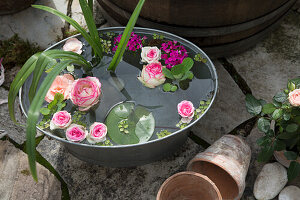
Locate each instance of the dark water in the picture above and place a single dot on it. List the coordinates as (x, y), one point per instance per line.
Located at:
(123, 85)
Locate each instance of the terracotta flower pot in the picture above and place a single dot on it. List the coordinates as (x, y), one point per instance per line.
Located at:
(189, 186)
(226, 164)
(280, 157)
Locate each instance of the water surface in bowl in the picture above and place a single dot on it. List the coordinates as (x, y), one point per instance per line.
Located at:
(123, 85)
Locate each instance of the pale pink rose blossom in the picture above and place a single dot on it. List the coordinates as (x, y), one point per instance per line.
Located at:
(294, 97)
(76, 133)
(60, 120)
(150, 54)
(62, 85)
(97, 133)
(152, 75)
(186, 111)
(74, 45)
(86, 92)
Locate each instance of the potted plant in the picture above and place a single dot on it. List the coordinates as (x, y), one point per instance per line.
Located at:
(281, 139)
(128, 115)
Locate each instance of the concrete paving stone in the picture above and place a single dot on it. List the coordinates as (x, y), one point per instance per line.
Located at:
(17, 133)
(227, 112)
(86, 181)
(15, 179)
(268, 66)
(35, 25)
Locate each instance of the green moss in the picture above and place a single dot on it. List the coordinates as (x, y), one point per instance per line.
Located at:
(25, 172)
(16, 51)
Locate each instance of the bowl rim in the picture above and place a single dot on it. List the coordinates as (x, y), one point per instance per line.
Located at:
(209, 63)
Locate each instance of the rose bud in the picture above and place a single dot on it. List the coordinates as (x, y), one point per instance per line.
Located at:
(60, 120)
(76, 133)
(74, 45)
(86, 92)
(186, 111)
(150, 54)
(62, 85)
(97, 133)
(152, 75)
(294, 97)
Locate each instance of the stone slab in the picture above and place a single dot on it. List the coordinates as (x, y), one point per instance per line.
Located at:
(227, 112)
(268, 66)
(86, 181)
(17, 133)
(35, 25)
(16, 181)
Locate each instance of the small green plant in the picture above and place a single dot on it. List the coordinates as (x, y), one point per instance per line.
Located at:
(55, 106)
(199, 58)
(178, 73)
(163, 133)
(158, 37)
(284, 110)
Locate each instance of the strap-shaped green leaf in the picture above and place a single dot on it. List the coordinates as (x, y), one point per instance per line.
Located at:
(125, 36)
(89, 39)
(46, 57)
(17, 83)
(90, 22)
(34, 113)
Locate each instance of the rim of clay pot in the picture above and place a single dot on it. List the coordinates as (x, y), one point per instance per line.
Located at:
(145, 30)
(174, 181)
(217, 166)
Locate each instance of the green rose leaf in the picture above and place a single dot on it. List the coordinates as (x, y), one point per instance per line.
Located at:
(293, 170)
(279, 145)
(291, 128)
(264, 141)
(265, 154)
(263, 124)
(277, 114)
(286, 116)
(253, 105)
(167, 87)
(167, 73)
(45, 111)
(286, 136)
(268, 108)
(280, 97)
(290, 155)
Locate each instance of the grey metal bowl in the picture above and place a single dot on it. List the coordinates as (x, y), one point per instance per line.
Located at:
(135, 154)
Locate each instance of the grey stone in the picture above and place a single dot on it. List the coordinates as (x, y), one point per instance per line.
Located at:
(35, 25)
(16, 181)
(268, 66)
(270, 181)
(227, 112)
(86, 181)
(17, 133)
(290, 193)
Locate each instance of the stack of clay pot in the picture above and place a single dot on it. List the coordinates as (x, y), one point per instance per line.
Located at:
(218, 173)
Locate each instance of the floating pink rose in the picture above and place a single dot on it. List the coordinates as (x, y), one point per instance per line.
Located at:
(150, 54)
(60, 120)
(62, 85)
(186, 111)
(86, 92)
(294, 97)
(152, 75)
(97, 133)
(74, 45)
(76, 133)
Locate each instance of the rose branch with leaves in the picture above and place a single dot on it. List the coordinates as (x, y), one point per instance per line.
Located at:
(284, 111)
(39, 62)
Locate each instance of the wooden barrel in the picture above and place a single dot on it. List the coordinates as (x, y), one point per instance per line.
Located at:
(13, 6)
(220, 27)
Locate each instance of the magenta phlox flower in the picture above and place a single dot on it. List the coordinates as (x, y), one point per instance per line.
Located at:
(172, 53)
(134, 43)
